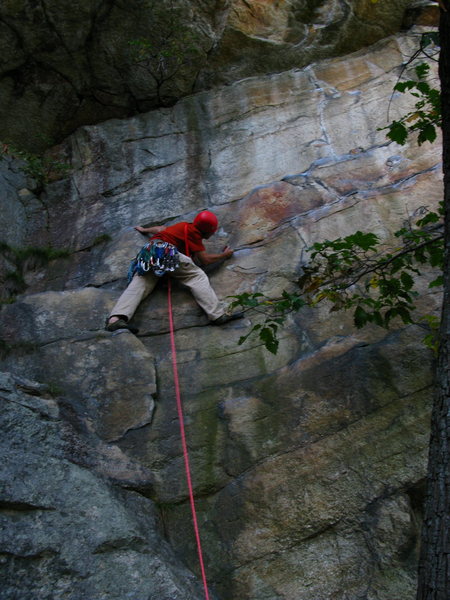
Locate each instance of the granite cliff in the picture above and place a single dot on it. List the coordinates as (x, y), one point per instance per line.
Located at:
(308, 466)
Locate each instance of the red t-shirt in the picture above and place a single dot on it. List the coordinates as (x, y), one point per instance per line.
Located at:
(176, 235)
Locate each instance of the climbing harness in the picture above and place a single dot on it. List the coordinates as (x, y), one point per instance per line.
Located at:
(183, 440)
(156, 256)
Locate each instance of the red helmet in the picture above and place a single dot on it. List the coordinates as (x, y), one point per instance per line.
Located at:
(206, 222)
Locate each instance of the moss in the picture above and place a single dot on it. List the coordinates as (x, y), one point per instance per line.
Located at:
(13, 284)
(43, 169)
(207, 426)
(24, 259)
(42, 255)
(54, 389)
(4, 247)
(19, 348)
(16, 278)
(101, 239)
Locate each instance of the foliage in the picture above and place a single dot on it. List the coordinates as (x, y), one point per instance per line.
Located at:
(22, 260)
(359, 273)
(174, 45)
(275, 312)
(42, 168)
(427, 113)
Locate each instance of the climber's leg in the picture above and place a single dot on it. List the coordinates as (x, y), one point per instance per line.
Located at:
(190, 275)
(139, 287)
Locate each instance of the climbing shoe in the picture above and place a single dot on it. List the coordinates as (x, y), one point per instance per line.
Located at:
(227, 317)
(120, 324)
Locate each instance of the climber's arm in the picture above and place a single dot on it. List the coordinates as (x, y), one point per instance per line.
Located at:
(208, 258)
(154, 229)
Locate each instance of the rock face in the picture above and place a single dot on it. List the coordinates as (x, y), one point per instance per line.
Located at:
(66, 531)
(74, 64)
(308, 466)
(271, 36)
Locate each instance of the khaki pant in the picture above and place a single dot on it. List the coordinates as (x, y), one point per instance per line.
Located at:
(188, 273)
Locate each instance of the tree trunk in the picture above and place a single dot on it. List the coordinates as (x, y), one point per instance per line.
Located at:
(434, 564)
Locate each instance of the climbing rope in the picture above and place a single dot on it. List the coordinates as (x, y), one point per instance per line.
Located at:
(183, 438)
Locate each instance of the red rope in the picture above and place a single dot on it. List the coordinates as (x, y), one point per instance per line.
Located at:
(183, 440)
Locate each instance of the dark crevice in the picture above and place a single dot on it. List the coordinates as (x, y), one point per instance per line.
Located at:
(18, 506)
(135, 543)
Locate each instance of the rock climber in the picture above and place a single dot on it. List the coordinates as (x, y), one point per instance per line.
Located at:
(186, 271)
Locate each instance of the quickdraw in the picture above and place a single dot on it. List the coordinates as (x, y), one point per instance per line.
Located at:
(156, 256)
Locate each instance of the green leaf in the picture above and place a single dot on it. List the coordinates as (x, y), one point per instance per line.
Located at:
(246, 299)
(267, 335)
(402, 86)
(423, 87)
(360, 317)
(377, 318)
(436, 282)
(404, 314)
(389, 287)
(423, 69)
(431, 341)
(430, 217)
(243, 338)
(280, 320)
(407, 280)
(366, 241)
(427, 134)
(297, 303)
(397, 132)
(430, 37)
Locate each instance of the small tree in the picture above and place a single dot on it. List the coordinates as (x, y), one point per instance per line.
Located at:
(173, 47)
